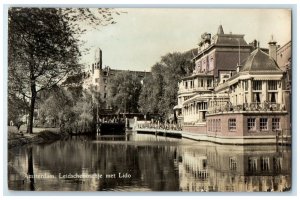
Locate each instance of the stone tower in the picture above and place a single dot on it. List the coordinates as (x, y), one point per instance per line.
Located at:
(97, 70)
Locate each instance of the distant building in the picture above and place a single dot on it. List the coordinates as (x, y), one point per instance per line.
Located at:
(99, 77)
(284, 61)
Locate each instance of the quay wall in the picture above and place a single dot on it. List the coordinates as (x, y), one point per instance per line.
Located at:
(195, 129)
(231, 140)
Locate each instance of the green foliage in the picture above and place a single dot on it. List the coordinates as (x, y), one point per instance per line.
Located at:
(159, 91)
(125, 89)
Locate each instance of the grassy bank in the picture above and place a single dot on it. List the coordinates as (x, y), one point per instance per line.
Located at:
(40, 135)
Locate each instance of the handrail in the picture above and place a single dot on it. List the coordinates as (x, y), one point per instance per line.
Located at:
(266, 106)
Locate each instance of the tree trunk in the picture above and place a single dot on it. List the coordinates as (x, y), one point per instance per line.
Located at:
(31, 108)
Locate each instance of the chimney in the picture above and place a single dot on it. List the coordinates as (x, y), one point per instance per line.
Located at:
(273, 48)
(238, 67)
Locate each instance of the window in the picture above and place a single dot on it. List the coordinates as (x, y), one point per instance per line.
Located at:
(232, 124)
(277, 161)
(252, 164)
(251, 124)
(246, 85)
(96, 80)
(232, 163)
(275, 123)
(104, 95)
(208, 83)
(218, 125)
(204, 116)
(202, 83)
(204, 163)
(214, 128)
(257, 85)
(214, 125)
(272, 85)
(191, 84)
(263, 124)
(245, 99)
(105, 80)
(265, 166)
(273, 96)
(186, 84)
(229, 188)
(257, 97)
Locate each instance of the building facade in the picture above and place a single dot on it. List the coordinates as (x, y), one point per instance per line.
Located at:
(237, 90)
(215, 62)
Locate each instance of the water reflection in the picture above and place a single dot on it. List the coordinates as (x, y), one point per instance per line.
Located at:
(148, 163)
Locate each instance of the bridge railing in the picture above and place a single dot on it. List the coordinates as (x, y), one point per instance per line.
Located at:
(158, 125)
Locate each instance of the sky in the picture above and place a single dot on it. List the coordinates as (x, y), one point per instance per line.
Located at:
(142, 36)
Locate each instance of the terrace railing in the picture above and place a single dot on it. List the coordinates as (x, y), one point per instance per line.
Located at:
(266, 106)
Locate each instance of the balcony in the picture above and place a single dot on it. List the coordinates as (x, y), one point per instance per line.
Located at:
(195, 89)
(247, 107)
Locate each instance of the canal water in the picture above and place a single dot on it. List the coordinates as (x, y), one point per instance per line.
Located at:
(142, 162)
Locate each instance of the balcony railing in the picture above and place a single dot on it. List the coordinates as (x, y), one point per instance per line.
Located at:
(181, 90)
(266, 106)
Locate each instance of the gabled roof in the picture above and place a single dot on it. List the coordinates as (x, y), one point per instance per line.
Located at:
(259, 61)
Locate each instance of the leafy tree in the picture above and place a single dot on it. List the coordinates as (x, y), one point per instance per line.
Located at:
(16, 109)
(55, 105)
(159, 91)
(43, 48)
(152, 91)
(125, 90)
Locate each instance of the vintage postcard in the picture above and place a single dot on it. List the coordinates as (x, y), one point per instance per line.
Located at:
(149, 99)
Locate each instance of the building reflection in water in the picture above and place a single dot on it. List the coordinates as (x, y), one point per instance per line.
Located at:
(229, 168)
(154, 163)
